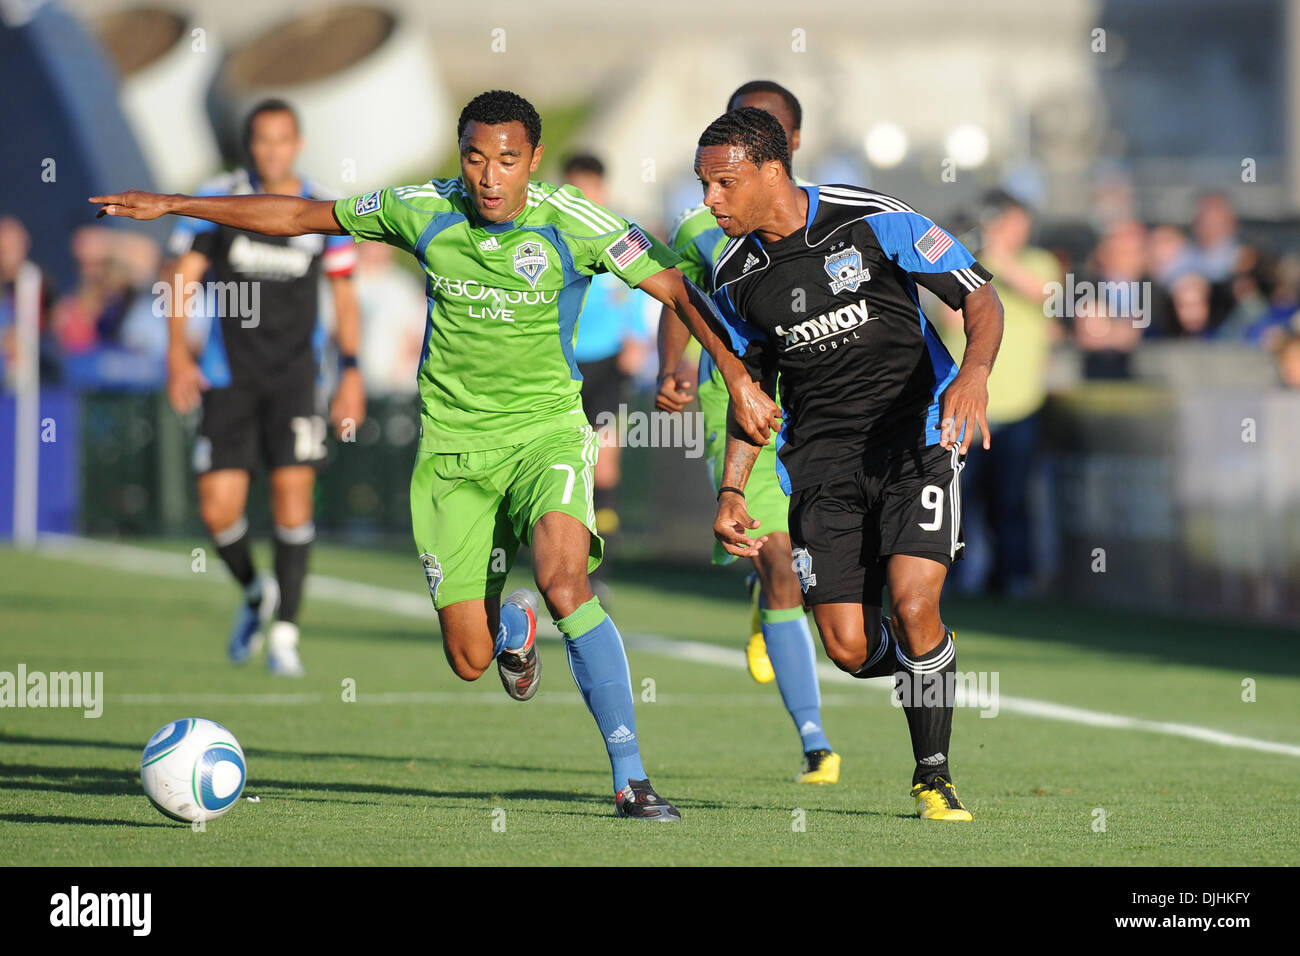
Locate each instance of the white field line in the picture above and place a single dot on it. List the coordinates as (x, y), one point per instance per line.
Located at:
(124, 557)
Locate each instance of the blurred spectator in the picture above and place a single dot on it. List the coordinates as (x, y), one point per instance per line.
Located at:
(1248, 291)
(995, 484)
(1108, 328)
(15, 244)
(1215, 230)
(1191, 297)
(1288, 361)
(1168, 253)
(106, 327)
(393, 316)
(612, 343)
(1283, 306)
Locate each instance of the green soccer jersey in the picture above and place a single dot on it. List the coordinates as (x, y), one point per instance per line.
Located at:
(497, 367)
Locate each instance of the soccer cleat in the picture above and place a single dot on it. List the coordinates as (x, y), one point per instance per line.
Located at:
(820, 766)
(760, 665)
(282, 650)
(248, 634)
(937, 800)
(639, 801)
(521, 670)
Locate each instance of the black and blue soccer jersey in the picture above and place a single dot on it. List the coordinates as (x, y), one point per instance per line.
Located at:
(264, 302)
(833, 308)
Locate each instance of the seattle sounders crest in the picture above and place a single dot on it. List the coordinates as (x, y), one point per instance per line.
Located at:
(531, 261)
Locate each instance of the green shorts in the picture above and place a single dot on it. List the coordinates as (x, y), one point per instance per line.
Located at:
(764, 496)
(471, 511)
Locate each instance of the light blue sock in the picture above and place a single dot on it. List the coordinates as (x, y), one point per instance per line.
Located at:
(600, 670)
(512, 632)
(789, 646)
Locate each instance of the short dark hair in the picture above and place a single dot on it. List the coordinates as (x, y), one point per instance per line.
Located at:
(767, 86)
(501, 106)
(584, 163)
(755, 131)
(273, 105)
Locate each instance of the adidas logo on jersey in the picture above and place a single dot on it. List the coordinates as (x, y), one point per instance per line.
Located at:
(489, 244)
(621, 735)
(750, 261)
(828, 325)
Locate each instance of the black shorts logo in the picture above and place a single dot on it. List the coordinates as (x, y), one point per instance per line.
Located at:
(802, 566)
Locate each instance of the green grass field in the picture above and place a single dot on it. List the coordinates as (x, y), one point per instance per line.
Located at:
(413, 770)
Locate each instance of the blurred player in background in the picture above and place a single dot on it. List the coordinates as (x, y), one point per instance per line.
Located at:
(611, 345)
(818, 284)
(780, 643)
(505, 456)
(256, 379)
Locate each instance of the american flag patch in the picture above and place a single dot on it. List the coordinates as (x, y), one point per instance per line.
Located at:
(628, 249)
(933, 244)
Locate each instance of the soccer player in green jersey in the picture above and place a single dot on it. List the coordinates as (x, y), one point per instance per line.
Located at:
(506, 455)
(780, 644)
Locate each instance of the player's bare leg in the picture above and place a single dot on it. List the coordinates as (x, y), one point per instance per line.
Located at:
(561, 546)
(223, 495)
(925, 680)
(467, 635)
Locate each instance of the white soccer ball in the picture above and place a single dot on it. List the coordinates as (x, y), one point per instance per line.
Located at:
(193, 769)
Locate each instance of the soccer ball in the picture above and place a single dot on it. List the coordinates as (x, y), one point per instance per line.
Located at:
(193, 769)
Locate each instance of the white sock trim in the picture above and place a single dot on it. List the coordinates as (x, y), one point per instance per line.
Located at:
(230, 535)
(302, 534)
(948, 651)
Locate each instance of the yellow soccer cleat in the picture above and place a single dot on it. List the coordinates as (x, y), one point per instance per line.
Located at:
(820, 766)
(938, 800)
(760, 665)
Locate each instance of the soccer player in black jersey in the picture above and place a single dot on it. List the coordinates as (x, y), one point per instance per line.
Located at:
(256, 378)
(819, 284)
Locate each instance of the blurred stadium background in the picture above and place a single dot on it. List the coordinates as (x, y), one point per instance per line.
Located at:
(1155, 143)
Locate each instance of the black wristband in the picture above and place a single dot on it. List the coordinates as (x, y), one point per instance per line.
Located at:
(347, 362)
(729, 488)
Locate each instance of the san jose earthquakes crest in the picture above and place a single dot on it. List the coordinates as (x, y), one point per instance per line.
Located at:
(845, 269)
(531, 261)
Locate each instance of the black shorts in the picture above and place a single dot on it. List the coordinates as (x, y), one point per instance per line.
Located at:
(602, 387)
(843, 531)
(247, 428)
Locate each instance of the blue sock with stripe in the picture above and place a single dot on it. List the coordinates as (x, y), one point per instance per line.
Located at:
(790, 648)
(512, 632)
(599, 667)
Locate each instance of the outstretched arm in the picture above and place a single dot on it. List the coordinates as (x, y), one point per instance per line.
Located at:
(269, 215)
(755, 412)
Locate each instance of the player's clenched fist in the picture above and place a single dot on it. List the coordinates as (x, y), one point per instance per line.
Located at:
(755, 411)
(733, 525)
